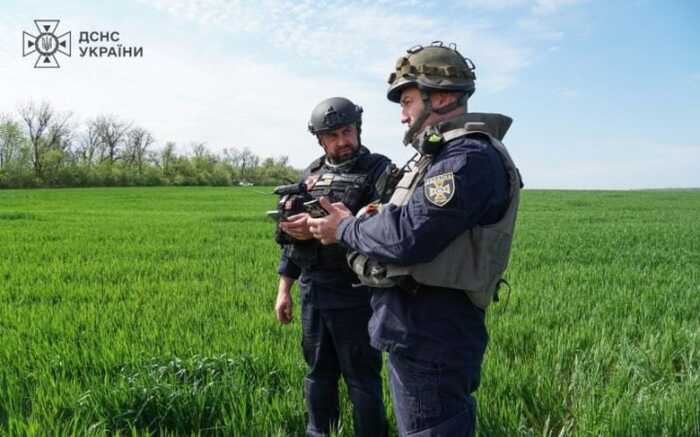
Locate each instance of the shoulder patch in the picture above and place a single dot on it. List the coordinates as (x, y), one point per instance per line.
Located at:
(440, 189)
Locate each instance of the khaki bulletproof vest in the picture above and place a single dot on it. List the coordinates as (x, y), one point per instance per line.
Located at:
(476, 260)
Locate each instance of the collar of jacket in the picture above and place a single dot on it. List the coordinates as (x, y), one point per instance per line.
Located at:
(496, 125)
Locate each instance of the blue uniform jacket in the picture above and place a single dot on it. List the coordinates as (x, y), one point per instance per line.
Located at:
(433, 325)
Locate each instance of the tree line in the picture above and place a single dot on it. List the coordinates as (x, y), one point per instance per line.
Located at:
(43, 147)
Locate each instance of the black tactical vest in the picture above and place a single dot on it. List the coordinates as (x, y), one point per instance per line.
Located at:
(349, 184)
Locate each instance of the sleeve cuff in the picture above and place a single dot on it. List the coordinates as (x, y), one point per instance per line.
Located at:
(289, 271)
(342, 227)
(288, 268)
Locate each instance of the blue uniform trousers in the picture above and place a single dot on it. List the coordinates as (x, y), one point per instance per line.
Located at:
(335, 342)
(431, 399)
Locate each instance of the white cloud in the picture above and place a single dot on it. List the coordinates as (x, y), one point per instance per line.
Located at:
(494, 5)
(536, 7)
(358, 38)
(537, 27)
(9, 39)
(568, 93)
(544, 19)
(548, 7)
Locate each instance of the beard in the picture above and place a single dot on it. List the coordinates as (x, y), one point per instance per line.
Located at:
(343, 153)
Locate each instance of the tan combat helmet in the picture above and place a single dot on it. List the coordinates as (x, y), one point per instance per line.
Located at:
(437, 67)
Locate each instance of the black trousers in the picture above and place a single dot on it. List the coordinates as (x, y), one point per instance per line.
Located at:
(335, 342)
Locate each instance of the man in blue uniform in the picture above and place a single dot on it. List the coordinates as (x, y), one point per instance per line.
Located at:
(437, 251)
(334, 315)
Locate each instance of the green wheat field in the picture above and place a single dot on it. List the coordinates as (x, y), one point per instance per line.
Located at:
(137, 311)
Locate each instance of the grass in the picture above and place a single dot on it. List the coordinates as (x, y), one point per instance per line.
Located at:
(135, 311)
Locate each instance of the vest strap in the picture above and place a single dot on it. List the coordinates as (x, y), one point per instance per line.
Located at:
(454, 133)
(469, 127)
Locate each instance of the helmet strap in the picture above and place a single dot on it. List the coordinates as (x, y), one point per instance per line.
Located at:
(410, 135)
(461, 101)
(429, 141)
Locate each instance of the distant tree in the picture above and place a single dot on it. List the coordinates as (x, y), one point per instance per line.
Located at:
(47, 130)
(89, 143)
(283, 161)
(137, 142)
(112, 134)
(232, 156)
(248, 165)
(11, 139)
(167, 157)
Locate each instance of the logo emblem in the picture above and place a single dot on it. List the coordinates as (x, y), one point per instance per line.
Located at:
(46, 44)
(325, 180)
(440, 189)
(310, 182)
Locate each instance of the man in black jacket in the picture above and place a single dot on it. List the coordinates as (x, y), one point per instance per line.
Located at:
(334, 314)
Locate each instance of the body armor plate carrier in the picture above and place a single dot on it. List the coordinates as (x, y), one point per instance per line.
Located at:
(476, 260)
(348, 184)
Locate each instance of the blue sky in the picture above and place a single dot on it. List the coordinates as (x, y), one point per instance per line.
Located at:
(605, 95)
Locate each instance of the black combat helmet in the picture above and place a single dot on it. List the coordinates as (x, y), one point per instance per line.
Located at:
(334, 113)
